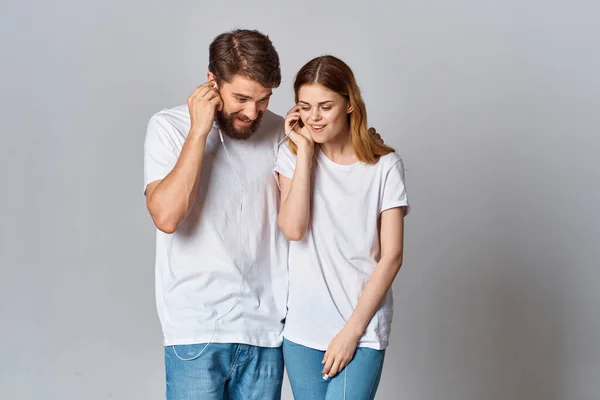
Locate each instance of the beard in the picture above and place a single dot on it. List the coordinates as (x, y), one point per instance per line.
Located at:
(226, 124)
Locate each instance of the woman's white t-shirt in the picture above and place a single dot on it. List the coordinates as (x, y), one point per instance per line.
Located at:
(330, 266)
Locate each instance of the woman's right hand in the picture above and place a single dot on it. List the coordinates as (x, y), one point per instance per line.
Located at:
(299, 135)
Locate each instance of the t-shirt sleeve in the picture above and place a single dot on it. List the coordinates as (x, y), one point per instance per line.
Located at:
(285, 164)
(394, 190)
(162, 148)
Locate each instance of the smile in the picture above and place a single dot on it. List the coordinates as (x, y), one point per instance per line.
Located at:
(242, 122)
(317, 128)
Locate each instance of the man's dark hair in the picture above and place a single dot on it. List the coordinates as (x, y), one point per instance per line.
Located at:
(248, 53)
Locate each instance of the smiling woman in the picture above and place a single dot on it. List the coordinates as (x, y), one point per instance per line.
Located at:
(326, 92)
(343, 203)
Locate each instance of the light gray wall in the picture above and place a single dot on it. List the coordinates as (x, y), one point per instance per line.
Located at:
(494, 105)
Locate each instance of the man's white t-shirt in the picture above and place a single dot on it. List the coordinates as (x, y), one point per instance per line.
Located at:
(330, 266)
(228, 245)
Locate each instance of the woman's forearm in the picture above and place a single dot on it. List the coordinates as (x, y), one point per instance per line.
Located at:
(295, 209)
(378, 285)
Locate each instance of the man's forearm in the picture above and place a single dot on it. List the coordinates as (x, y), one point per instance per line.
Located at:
(172, 199)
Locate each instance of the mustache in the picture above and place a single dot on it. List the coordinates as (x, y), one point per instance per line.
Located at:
(226, 123)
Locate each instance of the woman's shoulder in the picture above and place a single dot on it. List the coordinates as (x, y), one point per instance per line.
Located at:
(285, 151)
(389, 160)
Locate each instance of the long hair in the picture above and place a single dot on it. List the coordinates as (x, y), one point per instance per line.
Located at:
(336, 75)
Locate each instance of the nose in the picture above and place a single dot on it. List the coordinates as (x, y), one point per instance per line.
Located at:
(315, 115)
(251, 111)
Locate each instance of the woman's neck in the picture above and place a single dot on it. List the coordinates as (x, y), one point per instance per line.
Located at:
(340, 149)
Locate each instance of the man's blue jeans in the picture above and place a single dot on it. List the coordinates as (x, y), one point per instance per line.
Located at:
(223, 371)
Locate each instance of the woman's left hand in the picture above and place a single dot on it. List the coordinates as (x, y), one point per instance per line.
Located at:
(339, 352)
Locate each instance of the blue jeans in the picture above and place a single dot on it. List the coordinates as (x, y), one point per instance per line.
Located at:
(358, 381)
(223, 371)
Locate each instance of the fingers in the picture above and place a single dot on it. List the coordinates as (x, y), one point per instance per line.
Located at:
(304, 132)
(328, 365)
(343, 365)
(292, 121)
(217, 102)
(196, 91)
(292, 118)
(212, 93)
(335, 368)
(294, 115)
(376, 136)
(295, 137)
(206, 92)
(204, 87)
(292, 128)
(374, 133)
(294, 109)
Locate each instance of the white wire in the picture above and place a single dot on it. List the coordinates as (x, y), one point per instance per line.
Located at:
(237, 300)
(286, 137)
(241, 271)
(345, 369)
(230, 160)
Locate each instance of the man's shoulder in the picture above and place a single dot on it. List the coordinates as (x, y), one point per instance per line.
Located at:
(271, 121)
(175, 117)
(274, 116)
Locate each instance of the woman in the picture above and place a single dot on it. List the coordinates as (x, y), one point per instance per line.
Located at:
(343, 203)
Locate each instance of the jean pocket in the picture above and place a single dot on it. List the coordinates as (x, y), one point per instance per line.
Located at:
(188, 352)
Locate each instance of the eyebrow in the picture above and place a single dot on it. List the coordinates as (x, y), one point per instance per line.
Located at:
(321, 103)
(250, 97)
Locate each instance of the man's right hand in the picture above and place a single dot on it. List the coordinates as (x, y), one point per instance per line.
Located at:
(203, 103)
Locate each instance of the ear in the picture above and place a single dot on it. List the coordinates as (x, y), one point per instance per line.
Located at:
(210, 76)
(350, 109)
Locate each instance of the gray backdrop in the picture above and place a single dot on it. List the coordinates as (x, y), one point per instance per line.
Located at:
(494, 106)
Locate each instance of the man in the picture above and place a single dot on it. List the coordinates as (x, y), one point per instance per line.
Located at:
(221, 261)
